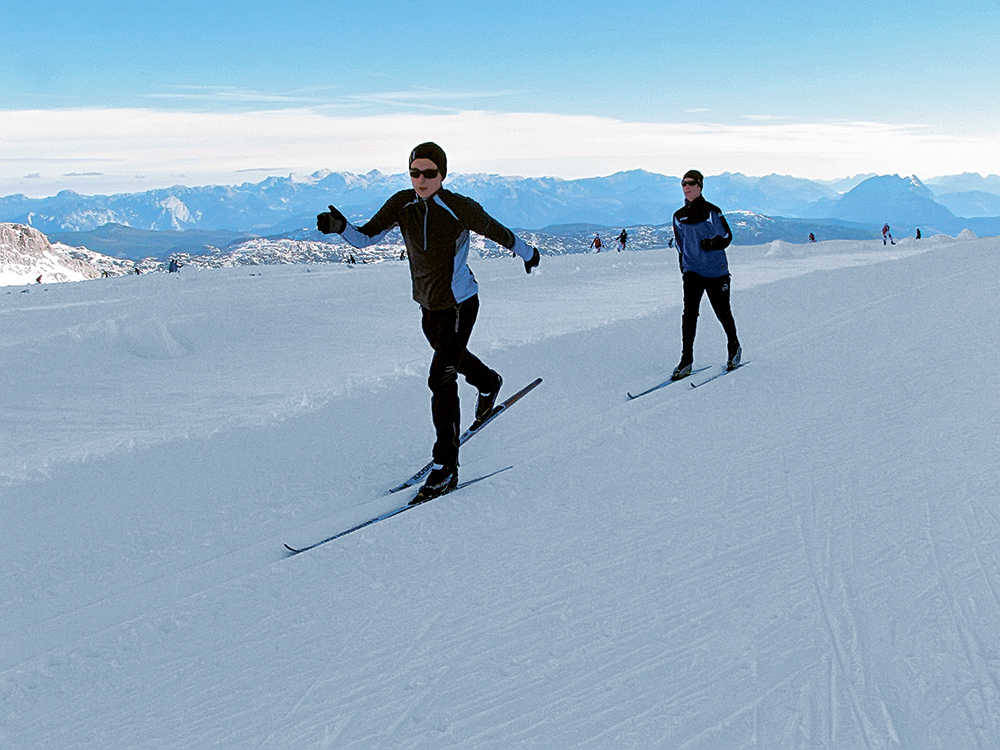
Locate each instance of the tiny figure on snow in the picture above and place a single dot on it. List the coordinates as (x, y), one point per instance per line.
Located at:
(702, 235)
(174, 266)
(622, 239)
(596, 242)
(435, 224)
(886, 234)
(918, 233)
(812, 237)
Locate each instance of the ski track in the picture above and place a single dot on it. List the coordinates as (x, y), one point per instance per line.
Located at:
(618, 672)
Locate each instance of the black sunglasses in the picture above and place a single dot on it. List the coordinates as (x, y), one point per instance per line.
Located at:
(430, 174)
(685, 183)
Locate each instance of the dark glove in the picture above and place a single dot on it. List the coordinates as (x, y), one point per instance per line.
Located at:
(529, 264)
(706, 244)
(331, 222)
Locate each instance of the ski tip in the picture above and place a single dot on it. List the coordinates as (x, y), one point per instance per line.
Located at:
(292, 550)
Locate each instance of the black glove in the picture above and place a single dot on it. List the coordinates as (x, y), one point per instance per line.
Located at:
(331, 222)
(529, 264)
(706, 244)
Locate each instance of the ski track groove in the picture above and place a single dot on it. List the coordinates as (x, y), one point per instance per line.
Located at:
(971, 648)
(841, 657)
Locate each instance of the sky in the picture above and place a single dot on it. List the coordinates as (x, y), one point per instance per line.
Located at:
(105, 97)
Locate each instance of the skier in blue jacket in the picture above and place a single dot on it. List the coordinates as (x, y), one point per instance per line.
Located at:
(435, 224)
(702, 235)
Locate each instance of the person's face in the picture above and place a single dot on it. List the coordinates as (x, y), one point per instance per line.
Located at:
(691, 189)
(424, 185)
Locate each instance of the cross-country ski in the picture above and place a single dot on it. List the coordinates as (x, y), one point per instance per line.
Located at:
(475, 429)
(664, 384)
(394, 512)
(719, 374)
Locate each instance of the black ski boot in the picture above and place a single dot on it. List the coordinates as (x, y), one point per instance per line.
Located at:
(735, 355)
(441, 480)
(485, 404)
(683, 368)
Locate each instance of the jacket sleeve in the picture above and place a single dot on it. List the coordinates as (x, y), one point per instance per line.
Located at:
(378, 226)
(474, 218)
(724, 235)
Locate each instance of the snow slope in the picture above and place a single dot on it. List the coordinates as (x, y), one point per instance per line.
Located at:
(803, 553)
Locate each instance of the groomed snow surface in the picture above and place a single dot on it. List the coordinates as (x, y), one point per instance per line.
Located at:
(801, 554)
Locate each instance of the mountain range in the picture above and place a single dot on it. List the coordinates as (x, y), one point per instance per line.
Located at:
(201, 220)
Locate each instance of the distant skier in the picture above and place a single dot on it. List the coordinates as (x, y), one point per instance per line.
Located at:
(435, 224)
(596, 242)
(174, 266)
(812, 237)
(622, 239)
(702, 235)
(886, 234)
(918, 233)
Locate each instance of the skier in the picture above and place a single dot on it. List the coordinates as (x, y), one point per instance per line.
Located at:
(701, 236)
(622, 239)
(918, 233)
(886, 233)
(812, 237)
(596, 242)
(435, 224)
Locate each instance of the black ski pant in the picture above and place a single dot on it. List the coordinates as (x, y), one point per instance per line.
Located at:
(448, 333)
(718, 295)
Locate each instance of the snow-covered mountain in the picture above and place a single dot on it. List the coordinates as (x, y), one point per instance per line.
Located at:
(280, 205)
(894, 199)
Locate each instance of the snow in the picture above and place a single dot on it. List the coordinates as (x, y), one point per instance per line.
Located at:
(803, 553)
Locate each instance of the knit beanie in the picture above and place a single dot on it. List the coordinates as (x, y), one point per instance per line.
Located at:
(433, 152)
(694, 174)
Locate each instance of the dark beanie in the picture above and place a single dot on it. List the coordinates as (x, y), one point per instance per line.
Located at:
(433, 152)
(694, 174)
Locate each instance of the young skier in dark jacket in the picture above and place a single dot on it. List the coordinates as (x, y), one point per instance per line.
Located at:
(435, 224)
(702, 235)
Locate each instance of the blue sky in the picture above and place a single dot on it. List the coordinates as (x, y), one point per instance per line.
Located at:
(106, 96)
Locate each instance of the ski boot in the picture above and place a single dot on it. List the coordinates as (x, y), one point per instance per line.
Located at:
(441, 480)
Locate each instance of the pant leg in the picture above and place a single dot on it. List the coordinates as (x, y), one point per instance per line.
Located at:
(694, 287)
(470, 366)
(718, 295)
(448, 333)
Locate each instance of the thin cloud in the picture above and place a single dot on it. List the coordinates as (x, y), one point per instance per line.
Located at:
(220, 147)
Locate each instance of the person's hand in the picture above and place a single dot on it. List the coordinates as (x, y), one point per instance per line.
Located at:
(533, 261)
(331, 222)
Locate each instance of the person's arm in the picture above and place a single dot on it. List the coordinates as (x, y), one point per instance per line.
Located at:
(474, 217)
(723, 236)
(334, 222)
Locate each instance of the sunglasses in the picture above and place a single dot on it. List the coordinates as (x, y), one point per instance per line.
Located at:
(684, 183)
(430, 174)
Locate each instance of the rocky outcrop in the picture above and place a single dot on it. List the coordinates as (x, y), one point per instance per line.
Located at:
(26, 255)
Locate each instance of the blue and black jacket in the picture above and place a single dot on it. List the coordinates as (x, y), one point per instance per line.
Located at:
(702, 235)
(436, 233)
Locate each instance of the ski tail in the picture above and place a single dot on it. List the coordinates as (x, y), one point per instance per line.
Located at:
(716, 376)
